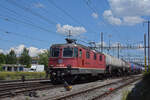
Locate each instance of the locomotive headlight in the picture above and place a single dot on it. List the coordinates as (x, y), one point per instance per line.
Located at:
(51, 66)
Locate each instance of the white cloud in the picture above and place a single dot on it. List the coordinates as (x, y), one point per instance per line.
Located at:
(38, 5)
(110, 18)
(18, 50)
(94, 15)
(33, 51)
(74, 30)
(130, 12)
(130, 7)
(1, 51)
(132, 20)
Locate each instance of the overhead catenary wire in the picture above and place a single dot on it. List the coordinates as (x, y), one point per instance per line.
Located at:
(28, 19)
(38, 15)
(94, 9)
(12, 42)
(24, 36)
(47, 12)
(69, 15)
(31, 12)
(11, 19)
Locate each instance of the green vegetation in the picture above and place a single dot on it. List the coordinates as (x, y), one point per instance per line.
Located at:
(11, 57)
(1, 69)
(27, 98)
(43, 95)
(43, 58)
(25, 59)
(18, 75)
(2, 58)
(125, 94)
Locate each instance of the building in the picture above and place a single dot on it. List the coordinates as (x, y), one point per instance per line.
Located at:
(13, 67)
(34, 60)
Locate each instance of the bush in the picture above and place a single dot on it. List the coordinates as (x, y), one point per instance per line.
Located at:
(1, 69)
(18, 75)
(146, 75)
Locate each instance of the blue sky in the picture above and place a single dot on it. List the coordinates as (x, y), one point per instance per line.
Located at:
(123, 20)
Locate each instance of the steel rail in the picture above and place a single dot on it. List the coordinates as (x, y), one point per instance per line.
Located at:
(115, 89)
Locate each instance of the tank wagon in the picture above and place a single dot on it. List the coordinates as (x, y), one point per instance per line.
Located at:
(115, 66)
(71, 61)
(136, 69)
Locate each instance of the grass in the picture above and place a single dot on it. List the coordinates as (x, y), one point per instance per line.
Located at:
(18, 75)
(125, 94)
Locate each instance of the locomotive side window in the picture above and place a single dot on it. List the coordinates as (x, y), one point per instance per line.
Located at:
(94, 56)
(80, 53)
(100, 58)
(88, 55)
(75, 52)
(68, 52)
(54, 52)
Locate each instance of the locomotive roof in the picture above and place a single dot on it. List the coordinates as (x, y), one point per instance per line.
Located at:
(75, 45)
(71, 45)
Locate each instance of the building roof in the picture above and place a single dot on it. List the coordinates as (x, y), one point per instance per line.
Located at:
(14, 65)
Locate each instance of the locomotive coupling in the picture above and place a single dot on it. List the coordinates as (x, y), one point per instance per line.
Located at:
(69, 66)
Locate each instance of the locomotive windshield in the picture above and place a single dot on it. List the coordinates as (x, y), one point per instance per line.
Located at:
(67, 52)
(55, 52)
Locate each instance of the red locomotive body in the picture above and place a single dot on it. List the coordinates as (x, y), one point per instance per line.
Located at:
(67, 61)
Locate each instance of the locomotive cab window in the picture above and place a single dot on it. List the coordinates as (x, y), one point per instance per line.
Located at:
(67, 52)
(54, 52)
(100, 58)
(75, 52)
(94, 56)
(80, 53)
(88, 55)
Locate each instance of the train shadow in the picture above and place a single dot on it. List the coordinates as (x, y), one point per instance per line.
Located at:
(141, 90)
(84, 81)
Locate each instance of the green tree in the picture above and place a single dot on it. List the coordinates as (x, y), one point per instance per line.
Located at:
(25, 58)
(43, 58)
(11, 57)
(2, 58)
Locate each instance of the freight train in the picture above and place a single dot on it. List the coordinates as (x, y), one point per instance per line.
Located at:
(72, 61)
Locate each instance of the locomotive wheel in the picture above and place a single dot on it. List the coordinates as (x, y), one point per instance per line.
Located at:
(55, 80)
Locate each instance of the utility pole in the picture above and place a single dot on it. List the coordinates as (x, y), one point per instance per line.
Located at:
(145, 52)
(109, 42)
(102, 42)
(148, 47)
(118, 49)
(148, 44)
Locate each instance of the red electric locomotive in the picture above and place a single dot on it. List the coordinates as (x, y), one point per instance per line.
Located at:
(72, 61)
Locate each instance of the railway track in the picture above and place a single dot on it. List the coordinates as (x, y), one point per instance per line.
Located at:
(10, 81)
(97, 92)
(13, 89)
